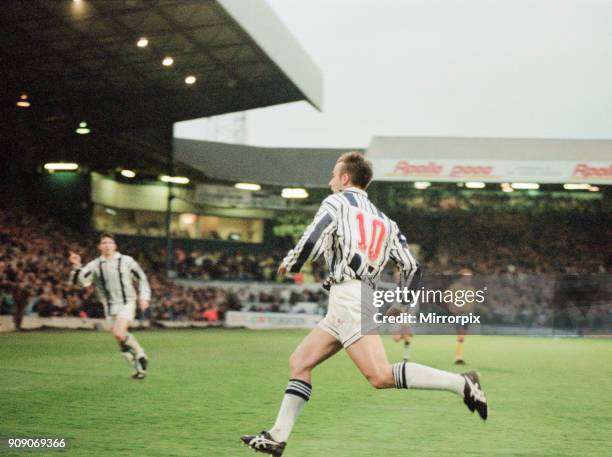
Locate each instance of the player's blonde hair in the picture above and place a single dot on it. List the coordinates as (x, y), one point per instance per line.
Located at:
(357, 167)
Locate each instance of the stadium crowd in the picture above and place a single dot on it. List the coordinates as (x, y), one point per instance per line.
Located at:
(34, 272)
(521, 253)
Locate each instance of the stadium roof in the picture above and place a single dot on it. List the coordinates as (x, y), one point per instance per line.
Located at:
(79, 61)
(309, 167)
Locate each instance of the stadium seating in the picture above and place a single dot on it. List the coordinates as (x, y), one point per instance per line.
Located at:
(508, 250)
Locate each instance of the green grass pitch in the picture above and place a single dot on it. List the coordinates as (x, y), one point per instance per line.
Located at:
(548, 397)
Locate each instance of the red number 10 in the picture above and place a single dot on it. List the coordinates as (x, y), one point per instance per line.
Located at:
(378, 234)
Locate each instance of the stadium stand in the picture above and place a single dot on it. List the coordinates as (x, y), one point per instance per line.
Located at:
(522, 276)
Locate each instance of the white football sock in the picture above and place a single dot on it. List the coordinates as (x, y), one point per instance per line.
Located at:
(132, 343)
(296, 396)
(128, 356)
(410, 375)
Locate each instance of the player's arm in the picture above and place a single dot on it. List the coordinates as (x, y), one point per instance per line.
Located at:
(144, 289)
(312, 242)
(409, 268)
(80, 275)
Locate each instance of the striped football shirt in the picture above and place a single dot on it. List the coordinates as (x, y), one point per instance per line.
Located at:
(356, 239)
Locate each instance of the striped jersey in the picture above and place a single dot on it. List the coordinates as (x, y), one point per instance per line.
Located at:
(357, 240)
(114, 279)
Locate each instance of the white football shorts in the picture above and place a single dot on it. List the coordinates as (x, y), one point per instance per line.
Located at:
(119, 310)
(343, 318)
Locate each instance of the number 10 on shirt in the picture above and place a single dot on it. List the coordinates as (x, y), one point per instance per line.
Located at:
(371, 234)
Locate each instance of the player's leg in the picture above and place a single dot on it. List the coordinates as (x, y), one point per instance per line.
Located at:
(459, 346)
(314, 349)
(406, 338)
(120, 332)
(405, 335)
(129, 345)
(368, 353)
